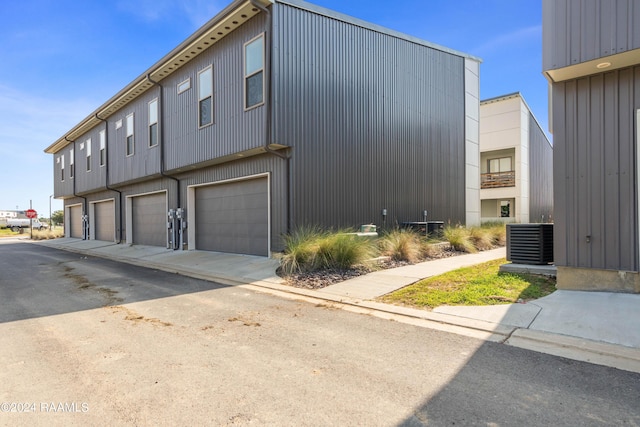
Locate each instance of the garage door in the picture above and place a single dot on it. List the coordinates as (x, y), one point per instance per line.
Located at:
(75, 221)
(233, 217)
(104, 220)
(149, 219)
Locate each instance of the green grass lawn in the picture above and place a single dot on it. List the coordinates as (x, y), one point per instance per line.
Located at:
(6, 232)
(480, 284)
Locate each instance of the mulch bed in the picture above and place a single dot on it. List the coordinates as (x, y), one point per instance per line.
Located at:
(322, 278)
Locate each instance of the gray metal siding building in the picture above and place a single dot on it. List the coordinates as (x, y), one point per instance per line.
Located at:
(540, 174)
(353, 118)
(591, 57)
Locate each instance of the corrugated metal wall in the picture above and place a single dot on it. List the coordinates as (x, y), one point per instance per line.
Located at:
(595, 204)
(375, 122)
(576, 31)
(146, 160)
(233, 129)
(540, 174)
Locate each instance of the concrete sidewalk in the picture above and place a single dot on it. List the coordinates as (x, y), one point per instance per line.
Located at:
(598, 327)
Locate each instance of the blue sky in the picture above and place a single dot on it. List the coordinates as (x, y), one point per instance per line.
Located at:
(61, 59)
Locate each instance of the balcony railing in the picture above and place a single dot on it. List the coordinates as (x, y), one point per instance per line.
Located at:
(498, 179)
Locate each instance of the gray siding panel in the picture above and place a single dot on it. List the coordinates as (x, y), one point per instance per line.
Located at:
(541, 174)
(375, 121)
(594, 166)
(576, 31)
(233, 129)
(145, 161)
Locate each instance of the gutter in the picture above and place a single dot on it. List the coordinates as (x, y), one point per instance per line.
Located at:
(268, 105)
(84, 203)
(106, 165)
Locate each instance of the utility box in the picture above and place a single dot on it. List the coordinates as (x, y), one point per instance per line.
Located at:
(530, 243)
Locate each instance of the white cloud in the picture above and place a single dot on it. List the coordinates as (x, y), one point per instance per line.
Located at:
(509, 40)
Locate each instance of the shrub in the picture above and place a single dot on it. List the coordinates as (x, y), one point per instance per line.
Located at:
(402, 245)
(498, 232)
(342, 250)
(47, 234)
(300, 249)
(482, 238)
(459, 238)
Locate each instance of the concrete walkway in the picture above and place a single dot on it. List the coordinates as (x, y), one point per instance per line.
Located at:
(598, 327)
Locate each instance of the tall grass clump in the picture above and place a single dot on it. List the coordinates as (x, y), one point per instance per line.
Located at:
(47, 234)
(341, 250)
(460, 239)
(482, 238)
(402, 245)
(301, 248)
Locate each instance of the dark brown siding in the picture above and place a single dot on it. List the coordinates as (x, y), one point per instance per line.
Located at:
(376, 122)
(595, 167)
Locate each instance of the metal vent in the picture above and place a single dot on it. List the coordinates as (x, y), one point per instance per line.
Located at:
(530, 243)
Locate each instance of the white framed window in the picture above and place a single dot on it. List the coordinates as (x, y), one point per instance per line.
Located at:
(88, 145)
(129, 140)
(62, 167)
(118, 124)
(499, 165)
(254, 72)
(205, 97)
(71, 167)
(103, 148)
(184, 85)
(153, 123)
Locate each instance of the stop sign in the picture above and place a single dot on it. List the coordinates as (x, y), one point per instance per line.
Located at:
(31, 213)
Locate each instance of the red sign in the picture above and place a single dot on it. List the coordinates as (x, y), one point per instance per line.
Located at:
(31, 213)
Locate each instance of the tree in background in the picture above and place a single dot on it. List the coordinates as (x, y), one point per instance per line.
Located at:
(57, 217)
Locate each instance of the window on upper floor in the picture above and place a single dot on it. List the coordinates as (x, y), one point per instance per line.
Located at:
(254, 72)
(62, 167)
(184, 86)
(153, 123)
(71, 167)
(130, 141)
(499, 165)
(87, 144)
(205, 97)
(103, 148)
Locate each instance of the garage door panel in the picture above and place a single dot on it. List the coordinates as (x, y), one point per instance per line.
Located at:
(149, 219)
(104, 221)
(75, 221)
(233, 217)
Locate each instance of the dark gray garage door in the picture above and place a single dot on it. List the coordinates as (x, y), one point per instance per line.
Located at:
(233, 217)
(75, 221)
(104, 220)
(149, 219)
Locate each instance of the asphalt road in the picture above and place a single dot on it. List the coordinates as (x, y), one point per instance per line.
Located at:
(85, 341)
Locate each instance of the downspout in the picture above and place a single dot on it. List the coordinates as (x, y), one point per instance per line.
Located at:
(161, 136)
(161, 147)
(106, 169)
(268, 104)
(84, 204)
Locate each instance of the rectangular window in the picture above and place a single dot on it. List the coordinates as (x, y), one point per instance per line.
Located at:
(62, 167)
(205, 97)
(184, 86)
(103, 148)
(153, 123)
(500, 165)
(130, 142)
(118, 124)
(88, 145)
(71, 168)
(254, 72)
